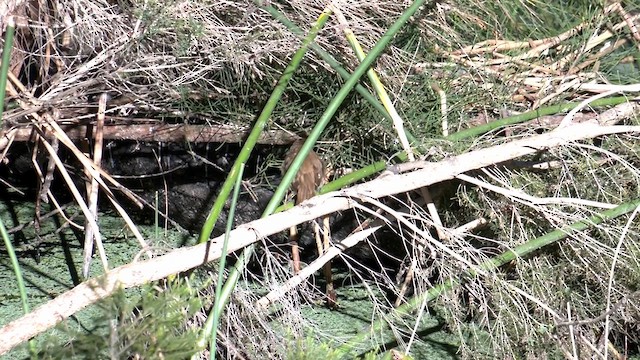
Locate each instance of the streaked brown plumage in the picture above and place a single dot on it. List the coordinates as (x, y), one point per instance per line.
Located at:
(309, 176)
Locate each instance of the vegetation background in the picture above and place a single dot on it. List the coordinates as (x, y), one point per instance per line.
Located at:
(462, 75)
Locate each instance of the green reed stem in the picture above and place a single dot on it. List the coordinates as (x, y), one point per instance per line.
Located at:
(6, 59)
(19, 280)
(225, 293)
(218, 205)
(335, 65)
(210, 330)
(529, 115)
(333, 106)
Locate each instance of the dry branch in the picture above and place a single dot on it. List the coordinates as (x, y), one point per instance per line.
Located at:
(168, 133)
(92, 195)
(317, 264)
(424, 174)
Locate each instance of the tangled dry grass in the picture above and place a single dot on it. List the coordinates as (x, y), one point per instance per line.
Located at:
(171, 58)
(459, 64)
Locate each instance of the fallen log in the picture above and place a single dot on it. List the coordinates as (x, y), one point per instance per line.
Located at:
(161, 132)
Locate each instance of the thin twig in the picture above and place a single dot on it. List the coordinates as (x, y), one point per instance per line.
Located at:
(333, 251)
(92, 189)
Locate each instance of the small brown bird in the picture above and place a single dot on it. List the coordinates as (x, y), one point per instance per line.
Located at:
(309, 178)
(305, 183)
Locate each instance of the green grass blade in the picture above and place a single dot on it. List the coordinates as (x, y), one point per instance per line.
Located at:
(529, 115)
(335, 65)
(210, 330)
(258, 128)
(225, 294)
(19, 279)
(6, 59)
(277, 197)
(366, 63)
(376, 83)
(16, 266)
(351, 178)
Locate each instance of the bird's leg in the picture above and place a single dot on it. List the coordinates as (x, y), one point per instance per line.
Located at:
(332, 297)
(323, 243)
(295, 251)
(319, 244)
